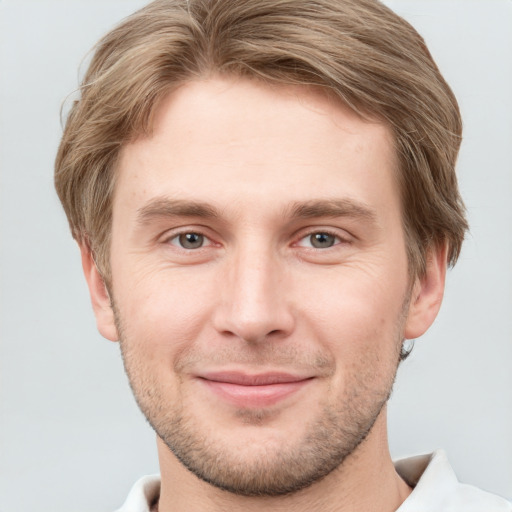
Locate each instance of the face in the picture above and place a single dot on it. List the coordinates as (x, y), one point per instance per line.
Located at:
(260, 284)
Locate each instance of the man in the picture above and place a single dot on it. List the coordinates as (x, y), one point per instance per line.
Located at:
(265, 201)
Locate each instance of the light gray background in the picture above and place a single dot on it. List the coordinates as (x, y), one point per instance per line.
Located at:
(71, 437)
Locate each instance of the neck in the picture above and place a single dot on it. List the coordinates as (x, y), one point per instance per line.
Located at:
(365, 481)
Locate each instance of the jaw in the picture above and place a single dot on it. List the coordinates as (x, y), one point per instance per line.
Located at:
(344, 488)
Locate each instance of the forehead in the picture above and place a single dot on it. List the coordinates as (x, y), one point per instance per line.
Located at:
(239, 141)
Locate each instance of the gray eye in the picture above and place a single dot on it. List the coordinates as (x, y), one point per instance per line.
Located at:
(322, 240)
(191, 240)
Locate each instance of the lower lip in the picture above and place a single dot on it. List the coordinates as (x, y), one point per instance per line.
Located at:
(255, 396)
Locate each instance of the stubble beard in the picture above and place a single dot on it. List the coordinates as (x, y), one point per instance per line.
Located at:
(325, 445)
(327, 442)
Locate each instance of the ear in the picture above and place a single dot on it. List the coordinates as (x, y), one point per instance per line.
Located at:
(427, 293)
(100, 298)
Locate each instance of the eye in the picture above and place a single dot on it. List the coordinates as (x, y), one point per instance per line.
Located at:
(189, 240)
(319, 240)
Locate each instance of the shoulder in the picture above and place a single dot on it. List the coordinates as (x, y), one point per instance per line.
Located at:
(143, 495)
(436, 488)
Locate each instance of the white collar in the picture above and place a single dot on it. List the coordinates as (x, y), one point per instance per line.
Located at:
(436, 489)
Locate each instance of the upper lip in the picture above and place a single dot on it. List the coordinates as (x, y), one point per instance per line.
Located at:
(256, 379)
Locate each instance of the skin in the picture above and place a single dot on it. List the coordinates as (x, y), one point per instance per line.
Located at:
(263, 174)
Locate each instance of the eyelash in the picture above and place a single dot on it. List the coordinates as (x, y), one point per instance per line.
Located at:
(178, 237)
(177, 240)
(308, 236)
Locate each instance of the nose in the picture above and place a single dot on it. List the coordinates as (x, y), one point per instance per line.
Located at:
(254, 303)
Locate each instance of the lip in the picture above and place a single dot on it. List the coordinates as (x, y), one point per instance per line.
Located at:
(253, 390)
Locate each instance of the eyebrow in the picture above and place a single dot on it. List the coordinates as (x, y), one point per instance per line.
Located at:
(331, 208)
(163, 207)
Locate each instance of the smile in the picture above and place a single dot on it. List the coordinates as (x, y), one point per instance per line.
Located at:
(261, 390)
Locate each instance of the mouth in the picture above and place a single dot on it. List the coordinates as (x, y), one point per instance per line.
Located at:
(253, 390)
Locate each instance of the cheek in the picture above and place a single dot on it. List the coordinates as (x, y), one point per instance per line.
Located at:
(358, 319)
(356, 299)
(161, 311)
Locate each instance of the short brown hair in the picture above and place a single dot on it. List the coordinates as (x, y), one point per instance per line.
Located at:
(358, 50)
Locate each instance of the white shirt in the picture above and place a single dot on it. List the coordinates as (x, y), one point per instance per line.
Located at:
(436, 489)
